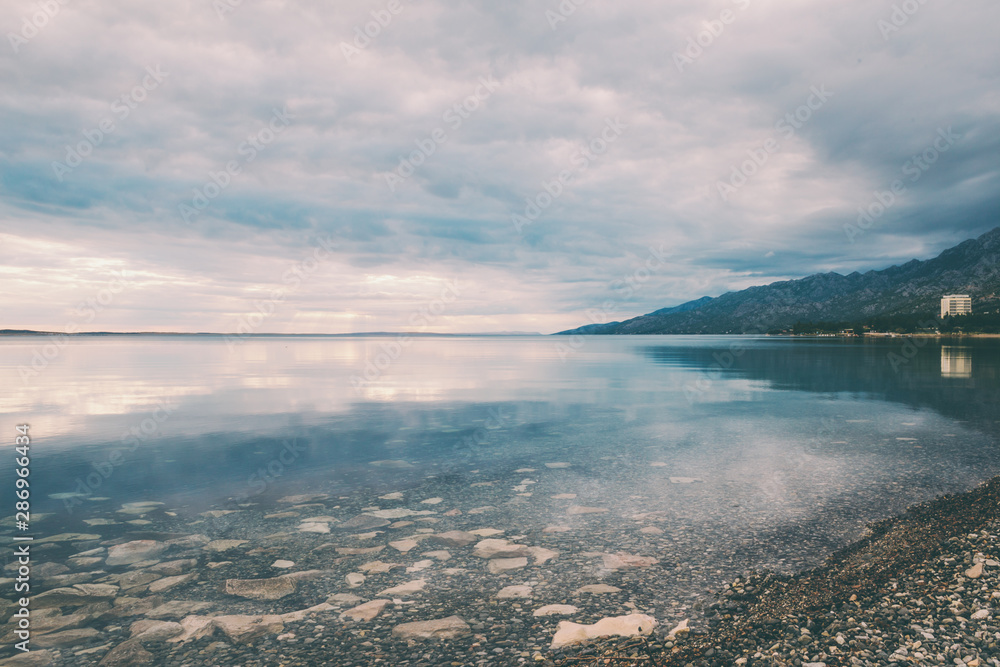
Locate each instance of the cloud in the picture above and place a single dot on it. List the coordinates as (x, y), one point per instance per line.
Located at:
(358, 115)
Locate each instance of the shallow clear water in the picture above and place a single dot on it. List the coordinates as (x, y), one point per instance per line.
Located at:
(740, 452)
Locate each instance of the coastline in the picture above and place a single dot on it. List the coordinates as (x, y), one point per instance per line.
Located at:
(922, 587)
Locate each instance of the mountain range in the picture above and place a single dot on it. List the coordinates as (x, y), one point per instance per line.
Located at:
(913, 288)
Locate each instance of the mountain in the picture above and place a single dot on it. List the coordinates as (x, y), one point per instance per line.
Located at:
(915, 288)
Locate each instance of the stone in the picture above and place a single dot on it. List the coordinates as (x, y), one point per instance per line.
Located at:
(219, 546)
(378, 567)
(343, 598)
(623, 560)
(980, 615)
(167, 583)
(134, 552)
(404, 545)
(140, 507)
(439, 629)
(65, 638)
(409, 588)
(564, 496)
(651, 530)
(362, 522)
(68, 537)
(496, 548)
(498, 565)
(633, 625)
(680, 629)
(302, 614)
(555, 610)
(46, 570)
(174, 567)
(684, 480)
(177, 609)
(195, 627)
(313, 527)
(395, 495)
(366, 611)
(33, 658)
(541, 555)
(400, 513)
(975, 571)
(486, 532)
(597, 589)
(303, 498)
(440, 555)
(283, 564)
(420, 565)
(658, 464)
(127, 654)
(581, 509)
(261, 589)
(514, 592)
(432, 501)
(556, 529)
(155, 631)
(135, 579)
(80, 594)
(244, 629)
(355, 579)
(558, 464)
(453, 538)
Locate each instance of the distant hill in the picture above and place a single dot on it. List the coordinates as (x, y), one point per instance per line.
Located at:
(972, 267)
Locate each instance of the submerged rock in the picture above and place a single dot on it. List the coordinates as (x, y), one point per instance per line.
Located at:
(514, 592)
(555, 610)
(134, 552)
(597, 589)
(453, 538)
(261, 589)
(568, 632)
(408, 588)
(440, 629)
(366, 611)
(498, 565)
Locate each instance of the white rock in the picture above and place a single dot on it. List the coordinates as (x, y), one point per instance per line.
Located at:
(981, 614)
(366, 611)
(542, 555)
(400, 513)
(223, 545)
(486, 532)
(441, 555)
(283, 564)
(622, 560)
(658, 464)
(680, 629)
(650, 530)
(975, 571)
(514, 592)
(497, 548)
(684, 480)
(395, 495)
(556, 610)
(556, 529)
(355, 579)
(134, 552)
(564, 496)
(403, 545)
(420, 565)
(432, 501)
(597, 589)
(378, 567)
(453, 538)
(632, 625)
(580, 509)
(343, 598)
(153, 631)
(314, 527)
(442, 628)
(408, 588)
(558, 464)
(498, 565)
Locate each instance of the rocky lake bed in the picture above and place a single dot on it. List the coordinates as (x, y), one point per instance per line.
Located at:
(449, 569)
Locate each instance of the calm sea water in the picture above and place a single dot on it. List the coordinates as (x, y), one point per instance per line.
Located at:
(760, 433)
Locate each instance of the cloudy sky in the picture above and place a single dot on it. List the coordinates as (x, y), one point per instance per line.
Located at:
(474, 166)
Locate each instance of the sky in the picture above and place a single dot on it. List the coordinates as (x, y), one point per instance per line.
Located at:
(446, 166)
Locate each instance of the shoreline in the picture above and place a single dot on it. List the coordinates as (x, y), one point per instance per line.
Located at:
(938, 557)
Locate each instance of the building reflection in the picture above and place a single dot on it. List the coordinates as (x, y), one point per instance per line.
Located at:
(956, 362)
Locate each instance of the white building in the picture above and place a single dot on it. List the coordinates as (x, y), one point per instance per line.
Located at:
(956, 304)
